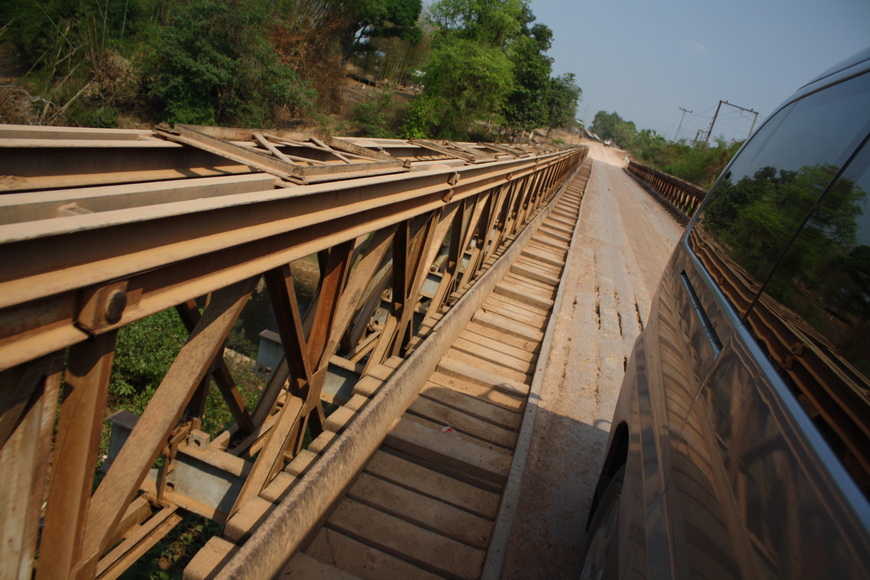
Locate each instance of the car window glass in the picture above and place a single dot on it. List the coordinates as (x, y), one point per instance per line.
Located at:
(813, 318)
(770, 188)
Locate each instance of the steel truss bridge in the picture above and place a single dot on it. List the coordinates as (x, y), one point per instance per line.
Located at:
(381, 441)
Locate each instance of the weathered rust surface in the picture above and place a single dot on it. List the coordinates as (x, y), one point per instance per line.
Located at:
(102, 228)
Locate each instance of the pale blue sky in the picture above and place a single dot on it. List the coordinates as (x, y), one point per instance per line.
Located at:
(644, 59)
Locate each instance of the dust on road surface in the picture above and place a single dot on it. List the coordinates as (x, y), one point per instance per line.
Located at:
(623, 240)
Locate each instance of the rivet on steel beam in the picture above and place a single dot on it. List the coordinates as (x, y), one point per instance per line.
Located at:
(115, 306)
(102, 306)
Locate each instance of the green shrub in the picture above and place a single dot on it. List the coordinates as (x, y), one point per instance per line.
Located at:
(213, 63)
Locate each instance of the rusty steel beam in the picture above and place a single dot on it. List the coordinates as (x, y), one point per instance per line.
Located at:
(127, 224)
(683, 196)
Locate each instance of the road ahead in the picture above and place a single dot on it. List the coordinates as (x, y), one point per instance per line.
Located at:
(622, 243)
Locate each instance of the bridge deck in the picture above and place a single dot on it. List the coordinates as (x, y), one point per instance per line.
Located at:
(448, 293)
(428, 502)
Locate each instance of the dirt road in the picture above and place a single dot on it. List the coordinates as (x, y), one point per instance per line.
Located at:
(622, 243)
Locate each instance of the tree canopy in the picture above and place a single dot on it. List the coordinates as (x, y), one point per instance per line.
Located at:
(479, 67)
(489, 65)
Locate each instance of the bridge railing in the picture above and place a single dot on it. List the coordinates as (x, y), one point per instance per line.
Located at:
(682, 195)
(200, 222)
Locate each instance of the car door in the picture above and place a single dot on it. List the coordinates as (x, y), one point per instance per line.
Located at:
(753, 487)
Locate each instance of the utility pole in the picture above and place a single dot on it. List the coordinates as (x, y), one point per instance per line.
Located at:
(681, 122)
(707, 140)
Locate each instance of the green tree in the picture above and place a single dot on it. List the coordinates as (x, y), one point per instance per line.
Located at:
(526, 107)
(563, 96)
(490, 22)
(470, 81)
(213, 64)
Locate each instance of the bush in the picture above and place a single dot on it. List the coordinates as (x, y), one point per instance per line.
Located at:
(374, 117)
(214, 64)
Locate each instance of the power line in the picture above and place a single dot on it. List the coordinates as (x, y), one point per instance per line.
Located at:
(681, 122)
(719, 106)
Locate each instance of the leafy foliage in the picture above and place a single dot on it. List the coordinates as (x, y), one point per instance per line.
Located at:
(471, 80)
(145, 351)
(214, 64)
(488, 65)
(375, 117)
(563, 94)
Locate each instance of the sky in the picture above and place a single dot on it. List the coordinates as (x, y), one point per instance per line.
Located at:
(646, 59)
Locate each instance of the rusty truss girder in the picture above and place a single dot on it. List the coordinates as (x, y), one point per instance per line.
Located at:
(100, 229)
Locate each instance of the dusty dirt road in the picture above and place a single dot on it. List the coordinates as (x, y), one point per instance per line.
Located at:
(622, 243)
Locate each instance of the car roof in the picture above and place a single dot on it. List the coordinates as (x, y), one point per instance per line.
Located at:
(855, 64)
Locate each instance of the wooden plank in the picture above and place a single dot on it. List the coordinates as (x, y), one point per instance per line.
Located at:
(339, 419)
(368, 385)
(551, 243)
(354, 557)
(503, 354)
(502, 301)
(304, 567)
(433, 484)
(517, 315)
(495, 414)
(553, 226)
(417, 545)
(510, 326)
(209, 559)
(449, 431)
(482, 352)
(245, 520)
(488, 393)
(322, 442)
(279, 487)
(537, 274)
(544, 256)
(516, 292)
(463, 422)
(423, 511)
(472, 336)
(449, 451)
(558, 254)
(520, 282)
(528, 345)
(142, 539)
(499, 368)
(469, 372)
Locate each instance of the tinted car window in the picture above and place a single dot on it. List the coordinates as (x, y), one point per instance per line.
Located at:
(769, 190)
(814, 317)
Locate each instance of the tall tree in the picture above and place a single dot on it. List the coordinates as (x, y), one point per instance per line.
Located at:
(563, 97)
(469, 74)
(526, 106)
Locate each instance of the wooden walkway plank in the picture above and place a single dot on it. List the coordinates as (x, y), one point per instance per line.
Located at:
(449, 450)
(502, 368)
(487, 393)
(453, 367)
(507, 325)
(524, 344)
(423, 511)
(433, 484)
(471, 336)
(463, 422)
(411, 543)
(525, 363)
(361, 560)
